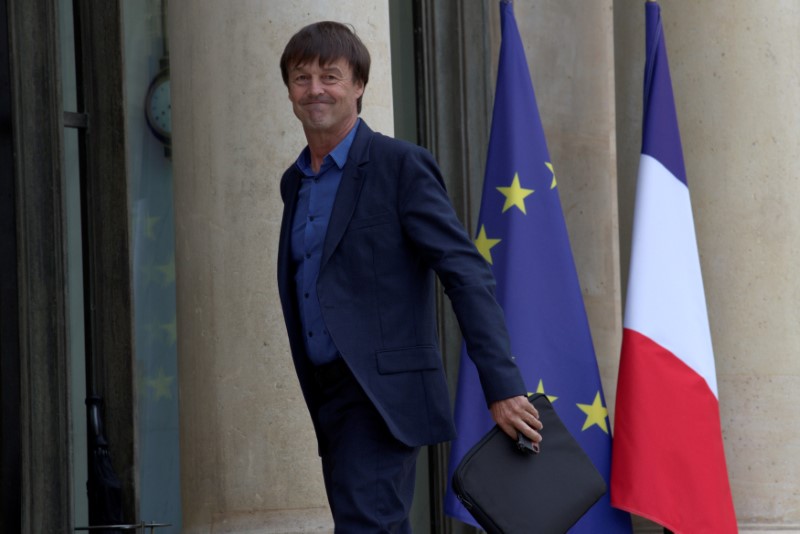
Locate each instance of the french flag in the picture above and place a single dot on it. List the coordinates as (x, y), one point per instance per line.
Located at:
(668, 461)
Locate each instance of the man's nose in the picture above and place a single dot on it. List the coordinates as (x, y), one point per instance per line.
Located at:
(316, 87)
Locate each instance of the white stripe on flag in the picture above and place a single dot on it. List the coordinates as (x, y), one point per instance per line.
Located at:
(665, 300)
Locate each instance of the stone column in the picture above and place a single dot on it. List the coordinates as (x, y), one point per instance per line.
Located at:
(735, 75)
(248, 453)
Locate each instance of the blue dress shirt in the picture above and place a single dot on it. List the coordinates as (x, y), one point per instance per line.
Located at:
(312, 214)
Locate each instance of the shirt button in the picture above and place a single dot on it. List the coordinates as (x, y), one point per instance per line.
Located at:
(310, 217)
(305, 295)
(308, 255)
(311, 334)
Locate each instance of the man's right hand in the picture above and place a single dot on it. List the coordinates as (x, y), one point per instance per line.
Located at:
(517, 414)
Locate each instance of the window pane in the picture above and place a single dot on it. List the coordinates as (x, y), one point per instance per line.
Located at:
(153, 272)
(74, 257)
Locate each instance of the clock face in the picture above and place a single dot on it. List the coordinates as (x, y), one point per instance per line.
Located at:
(158, 107)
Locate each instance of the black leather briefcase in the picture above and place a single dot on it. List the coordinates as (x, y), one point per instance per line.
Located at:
(512, 492)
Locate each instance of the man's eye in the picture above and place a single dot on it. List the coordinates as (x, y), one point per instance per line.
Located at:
(301, 79)
(330, 78)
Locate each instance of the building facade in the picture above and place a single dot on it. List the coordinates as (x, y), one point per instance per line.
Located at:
(141, 145)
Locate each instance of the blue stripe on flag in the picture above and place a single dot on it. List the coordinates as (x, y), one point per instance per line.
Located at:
(661, 138)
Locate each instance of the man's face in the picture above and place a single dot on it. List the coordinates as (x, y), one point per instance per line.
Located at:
(324, 96)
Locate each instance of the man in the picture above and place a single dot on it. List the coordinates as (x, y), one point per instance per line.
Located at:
(366, 224)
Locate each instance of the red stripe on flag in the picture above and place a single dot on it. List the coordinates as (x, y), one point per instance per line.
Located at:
(668, 462)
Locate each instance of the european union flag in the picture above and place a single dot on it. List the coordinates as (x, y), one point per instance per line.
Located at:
(522, 234)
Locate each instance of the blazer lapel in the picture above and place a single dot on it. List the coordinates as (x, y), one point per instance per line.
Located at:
(349, 189)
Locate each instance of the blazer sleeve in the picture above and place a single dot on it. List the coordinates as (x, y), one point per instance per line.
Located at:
(430, 223)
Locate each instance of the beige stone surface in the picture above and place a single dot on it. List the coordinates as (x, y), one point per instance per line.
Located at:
(736, 70)
(247, 446)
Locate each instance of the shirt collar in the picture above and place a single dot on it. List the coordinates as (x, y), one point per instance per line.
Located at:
(338, 154)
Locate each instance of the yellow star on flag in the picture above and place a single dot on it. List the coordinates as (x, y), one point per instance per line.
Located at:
(161, 385)
(515, 195)
(540, 389)
(171, 331)
(596, 414)
(168, 272)
(484, 244)
(550, 166)
(150, 227)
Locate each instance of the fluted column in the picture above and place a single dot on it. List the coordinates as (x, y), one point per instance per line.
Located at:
(735, 75)
(248, 453)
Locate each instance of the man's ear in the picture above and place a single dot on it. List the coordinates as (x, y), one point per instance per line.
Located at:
(359, 85)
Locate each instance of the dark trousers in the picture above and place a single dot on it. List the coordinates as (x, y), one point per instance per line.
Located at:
(369, 475)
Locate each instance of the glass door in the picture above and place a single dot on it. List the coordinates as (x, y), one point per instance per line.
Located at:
(124, 180)
(152, 244)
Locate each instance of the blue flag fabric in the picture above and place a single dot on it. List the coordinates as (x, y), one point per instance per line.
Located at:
(522, 234)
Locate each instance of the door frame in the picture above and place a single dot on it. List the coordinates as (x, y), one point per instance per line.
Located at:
(41, 358)
(34, 349)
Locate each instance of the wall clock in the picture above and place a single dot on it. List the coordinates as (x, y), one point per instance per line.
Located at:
(158, 107)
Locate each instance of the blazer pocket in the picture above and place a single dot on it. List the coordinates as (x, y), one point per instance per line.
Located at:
(408, 359)
(370, 220)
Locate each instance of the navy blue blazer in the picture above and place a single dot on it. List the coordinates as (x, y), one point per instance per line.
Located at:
(393, 227)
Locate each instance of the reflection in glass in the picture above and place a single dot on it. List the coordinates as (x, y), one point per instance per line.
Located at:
(153, 274)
